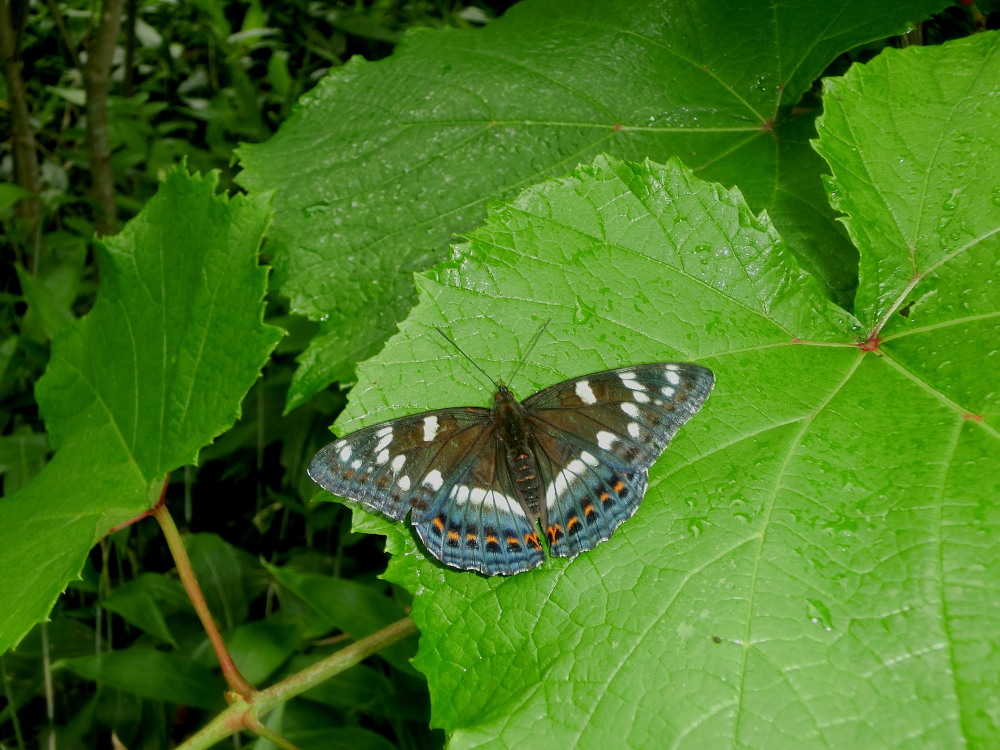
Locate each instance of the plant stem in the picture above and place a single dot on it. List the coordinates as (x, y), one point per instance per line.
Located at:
(237, 683)
(243, 713)
(22, 136)
(97, 84)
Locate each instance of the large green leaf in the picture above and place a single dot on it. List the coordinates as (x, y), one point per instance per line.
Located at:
(155, 371)
(815, 560)
(383, 162)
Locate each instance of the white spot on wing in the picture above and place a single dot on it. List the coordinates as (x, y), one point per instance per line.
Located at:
(631, 409)
(498, 500)
(480, 496)
(589, 459)
(356, 464)
(585, 392)
(629, 381)
(434, 480)
(633, 430)
(668, 391)
(385, 437)
(606, 439)
(345, 453)
(673, 378)
(640, 397)
(397, 463)
(404, 483)
(430, 428)
(382, 457)
(563, 480)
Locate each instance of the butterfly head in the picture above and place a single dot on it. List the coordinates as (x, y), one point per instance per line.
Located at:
(503, 392)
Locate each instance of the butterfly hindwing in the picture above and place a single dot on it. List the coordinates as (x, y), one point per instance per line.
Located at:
(479, 524)
(585, 499)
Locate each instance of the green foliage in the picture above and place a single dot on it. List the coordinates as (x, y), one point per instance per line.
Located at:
(382, 163)
(813, 563)
(177, 286)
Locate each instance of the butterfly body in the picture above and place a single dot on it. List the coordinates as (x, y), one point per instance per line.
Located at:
(477, 482)
(512, 431)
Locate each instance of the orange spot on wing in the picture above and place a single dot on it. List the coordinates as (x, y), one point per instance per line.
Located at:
(438, 523)
(531, 540)
(513, 541)
(554, 532)
(588, 509)
(453, 535)
(572, 523)
(619, 486)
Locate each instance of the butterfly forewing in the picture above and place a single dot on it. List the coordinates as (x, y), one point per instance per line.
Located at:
(400, 465)
(626, 416)
(592, 440)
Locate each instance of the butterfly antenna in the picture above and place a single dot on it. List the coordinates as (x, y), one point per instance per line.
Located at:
(451, 341)
(527, 351)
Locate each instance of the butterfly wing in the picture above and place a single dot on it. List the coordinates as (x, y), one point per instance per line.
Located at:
(445, 467)
(595, 437)
(478, 522)
(387, 466)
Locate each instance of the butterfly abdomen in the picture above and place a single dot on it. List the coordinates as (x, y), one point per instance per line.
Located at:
(512, 433)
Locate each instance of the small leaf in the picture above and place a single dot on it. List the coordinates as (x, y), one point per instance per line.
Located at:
(146, 601)
(261, 646)
(52, 313)
(228, 576)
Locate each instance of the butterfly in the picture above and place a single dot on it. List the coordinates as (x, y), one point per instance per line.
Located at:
(477, 482)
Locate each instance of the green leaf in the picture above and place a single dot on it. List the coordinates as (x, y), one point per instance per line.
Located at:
(350, 606)
(260, 647)
(155, 371)
(383, 162)
(11, 194)
(50, 307)
(229, 577)
(21, 458)
(913, 194)
(152, 674)
(815, 559)
(147, 601)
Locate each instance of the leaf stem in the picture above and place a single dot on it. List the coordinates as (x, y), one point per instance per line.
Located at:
(237, 683)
